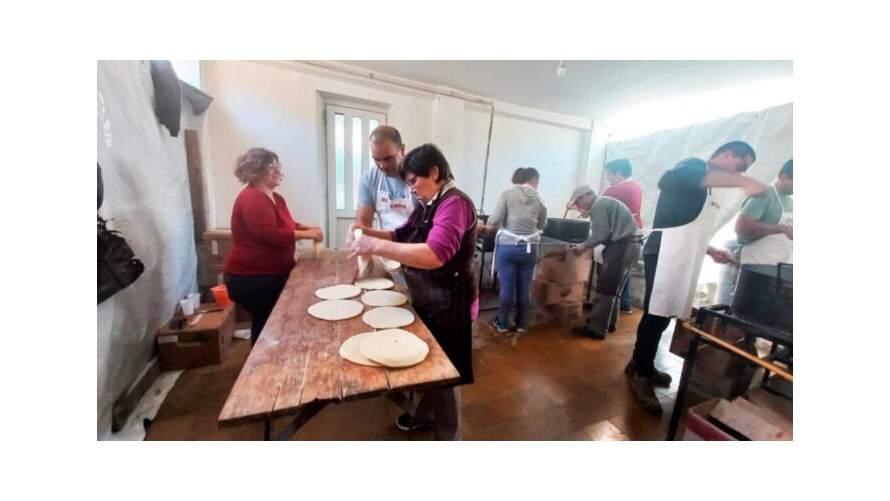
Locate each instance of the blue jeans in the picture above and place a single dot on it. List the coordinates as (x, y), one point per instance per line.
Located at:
(515, 270)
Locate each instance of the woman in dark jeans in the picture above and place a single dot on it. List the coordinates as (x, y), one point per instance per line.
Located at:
(264, 238)
(520, 216)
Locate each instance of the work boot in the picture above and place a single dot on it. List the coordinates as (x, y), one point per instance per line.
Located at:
(586, 332)
(601, 314)
(642, 389)
(662, 379)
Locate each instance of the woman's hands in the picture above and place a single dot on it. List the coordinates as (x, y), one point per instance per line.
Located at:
(309, 233)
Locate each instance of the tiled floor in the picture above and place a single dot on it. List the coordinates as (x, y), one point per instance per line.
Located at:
(545, 384)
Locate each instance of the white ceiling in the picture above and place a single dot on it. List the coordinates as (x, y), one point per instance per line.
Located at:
(589, 89)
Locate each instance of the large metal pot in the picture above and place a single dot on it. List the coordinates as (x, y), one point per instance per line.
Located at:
(567, 230)
(486, 239)
(764, 294)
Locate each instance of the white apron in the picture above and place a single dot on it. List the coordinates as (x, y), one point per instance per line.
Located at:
(771, 249)
(679, 262)
(526, 238)
(391, 213)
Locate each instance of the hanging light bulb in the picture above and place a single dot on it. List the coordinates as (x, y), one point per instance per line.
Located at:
(561, 69)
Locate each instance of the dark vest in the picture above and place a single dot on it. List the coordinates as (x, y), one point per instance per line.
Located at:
(417, 229)
(442, 297)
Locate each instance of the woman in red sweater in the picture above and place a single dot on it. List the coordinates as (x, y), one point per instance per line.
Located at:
(264, 238)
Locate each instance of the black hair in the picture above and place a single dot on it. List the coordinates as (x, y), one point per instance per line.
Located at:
(788, 169)
(621, 166)
(739, 149)
(421, 160)
(523, 175)
(384, 133)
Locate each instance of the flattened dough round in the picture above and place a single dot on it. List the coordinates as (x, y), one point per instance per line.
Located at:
(384, 298)
(336, 309)
(350, 350)
(339, 291)
(374, 283)
(391, 265)
(388, 317)
(394, 348)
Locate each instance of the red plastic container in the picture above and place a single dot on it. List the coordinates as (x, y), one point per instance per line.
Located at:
(221, 295)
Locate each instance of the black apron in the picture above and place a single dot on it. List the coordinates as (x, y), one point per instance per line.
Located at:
(442, 297)
(609, 278)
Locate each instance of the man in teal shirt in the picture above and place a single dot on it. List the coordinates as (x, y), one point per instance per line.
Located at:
(764, 228)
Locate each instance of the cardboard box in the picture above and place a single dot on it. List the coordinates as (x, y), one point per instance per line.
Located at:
(548, 293)
(565, 313)
(564, 267)
(204, 343)
(710, 360)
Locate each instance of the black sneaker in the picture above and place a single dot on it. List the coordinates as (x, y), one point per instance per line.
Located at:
(584, 331)
(406, 422)
(661, 379)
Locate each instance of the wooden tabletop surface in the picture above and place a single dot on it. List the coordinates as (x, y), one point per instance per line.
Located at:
(296, 360)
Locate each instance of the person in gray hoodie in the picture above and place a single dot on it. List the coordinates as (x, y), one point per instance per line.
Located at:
(519, 216)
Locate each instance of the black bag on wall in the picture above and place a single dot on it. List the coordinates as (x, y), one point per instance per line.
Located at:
(117, 266)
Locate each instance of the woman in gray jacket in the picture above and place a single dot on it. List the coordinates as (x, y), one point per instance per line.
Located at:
(520, 217)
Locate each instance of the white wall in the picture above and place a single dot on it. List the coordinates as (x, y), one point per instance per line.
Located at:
(281, 109)
(559, 152)
(147, 198)
(279, 106)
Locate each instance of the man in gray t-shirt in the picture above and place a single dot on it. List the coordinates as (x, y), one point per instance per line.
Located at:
(382, 190)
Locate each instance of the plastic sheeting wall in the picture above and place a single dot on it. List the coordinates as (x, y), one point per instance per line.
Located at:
(147, 198)
(768, 131)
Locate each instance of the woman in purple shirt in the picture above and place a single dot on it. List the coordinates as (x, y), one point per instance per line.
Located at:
(436, 248)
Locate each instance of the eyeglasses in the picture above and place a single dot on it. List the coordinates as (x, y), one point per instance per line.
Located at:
(412, 181)
(276, 169)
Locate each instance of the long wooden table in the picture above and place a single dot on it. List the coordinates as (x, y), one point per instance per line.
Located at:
(295, 368)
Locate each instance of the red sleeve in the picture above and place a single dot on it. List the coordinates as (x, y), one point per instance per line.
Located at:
(262, 218)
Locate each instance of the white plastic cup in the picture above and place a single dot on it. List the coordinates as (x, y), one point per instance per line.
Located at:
(195, 298)
(188, 308)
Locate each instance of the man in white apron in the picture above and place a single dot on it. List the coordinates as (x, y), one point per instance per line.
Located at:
(612, 224)
(683, 225)
(764, 228)
(382, 191)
